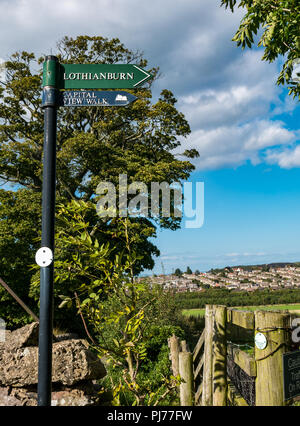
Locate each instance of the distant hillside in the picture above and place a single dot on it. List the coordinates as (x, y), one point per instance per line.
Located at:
(264, 266)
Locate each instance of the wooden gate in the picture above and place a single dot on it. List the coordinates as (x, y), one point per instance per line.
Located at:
(228, 368)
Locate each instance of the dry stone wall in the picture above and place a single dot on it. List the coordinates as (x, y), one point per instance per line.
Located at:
(74, 370)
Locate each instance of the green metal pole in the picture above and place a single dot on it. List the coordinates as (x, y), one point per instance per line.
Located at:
(44, 255)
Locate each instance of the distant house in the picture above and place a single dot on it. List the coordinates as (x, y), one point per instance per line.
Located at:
(244, 286)
(265, 285)
(232, 286)
(274, 286)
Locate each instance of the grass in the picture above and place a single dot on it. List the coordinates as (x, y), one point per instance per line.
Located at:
(290, 307)
(193, 312)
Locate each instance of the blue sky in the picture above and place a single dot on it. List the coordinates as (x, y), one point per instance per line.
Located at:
(251, 215)
(245, 127)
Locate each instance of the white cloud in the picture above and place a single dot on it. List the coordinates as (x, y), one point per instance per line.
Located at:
(268, 134)
(245, 254)
(183, 37)
(286, 158)
(232, 146)
(285, 106)
(232, 124)
(215, 108)
(225, 94)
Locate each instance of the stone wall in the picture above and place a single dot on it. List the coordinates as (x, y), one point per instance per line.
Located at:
(74, 370)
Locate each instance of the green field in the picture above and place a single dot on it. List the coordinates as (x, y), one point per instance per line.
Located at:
(290, 307)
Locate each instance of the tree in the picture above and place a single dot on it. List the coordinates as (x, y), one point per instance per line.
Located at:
(188, 270)
(280, 21)
(178, 272)
(93, 145)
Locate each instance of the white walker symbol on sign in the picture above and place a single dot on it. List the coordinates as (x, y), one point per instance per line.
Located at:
(120, 98)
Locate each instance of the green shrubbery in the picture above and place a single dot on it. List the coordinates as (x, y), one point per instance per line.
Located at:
(128, 322)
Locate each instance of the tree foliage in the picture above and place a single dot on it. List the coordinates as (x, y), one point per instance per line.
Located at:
(279, 22)
(188, 270)
(94, 144)
(178, 272)
(19, 227)
(127, 323)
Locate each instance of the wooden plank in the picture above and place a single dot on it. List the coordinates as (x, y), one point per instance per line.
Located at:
(245, 361)
(199, 345)
(198, 394)
(220, 357)
(208, 356)
(234, 397)
(13, 294)
(244, 319)
(198, 369)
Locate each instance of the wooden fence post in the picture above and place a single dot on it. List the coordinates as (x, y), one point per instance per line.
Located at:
(186, 373)
(174, 346)
(219, 367)
(207, 390)
(269, 380)
(184, 346)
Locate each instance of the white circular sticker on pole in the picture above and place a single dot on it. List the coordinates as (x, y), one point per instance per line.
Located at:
(44, 256)
(260, 341)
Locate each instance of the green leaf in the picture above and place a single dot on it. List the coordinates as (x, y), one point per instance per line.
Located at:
(116, 342)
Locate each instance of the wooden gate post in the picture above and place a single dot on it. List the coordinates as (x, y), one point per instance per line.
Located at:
(219, 367)
(186, 373)
(207, 391)
(269, 380)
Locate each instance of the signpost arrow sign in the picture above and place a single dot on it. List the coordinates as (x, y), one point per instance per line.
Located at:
(102, 76)
(79, 98)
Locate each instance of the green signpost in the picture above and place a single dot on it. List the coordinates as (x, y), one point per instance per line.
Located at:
(98, 76)
(58, 76)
